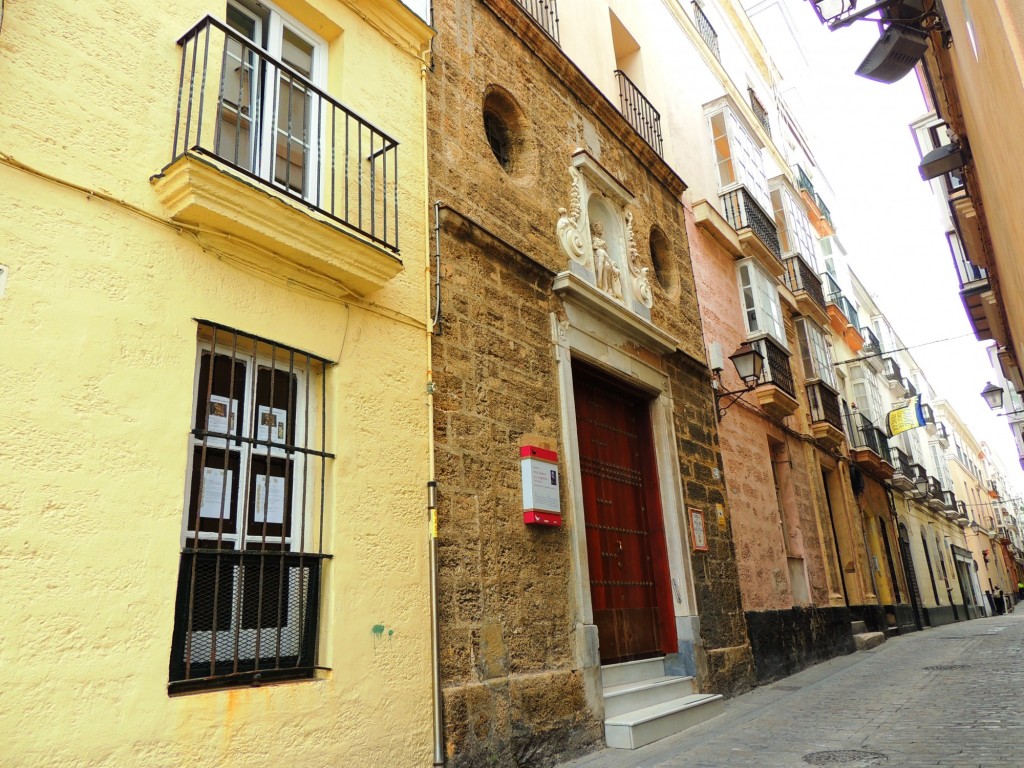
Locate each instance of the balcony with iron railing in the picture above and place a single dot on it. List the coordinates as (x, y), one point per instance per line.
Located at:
(826, 414)
(800, 278)
(745, 214)
(760, 112)
(640, 113)
(545, 13)
(776, 391)
(262, 154)
(950, 500)
(846, 307)
(826, 214)
(803, 181)
(903, 477)
(942, 435)
(892, 371)
(871, 352)
(707, 32)
(909, 387)
(934, 497)
(871, 449)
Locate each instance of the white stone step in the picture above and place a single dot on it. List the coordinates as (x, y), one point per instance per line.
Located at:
(632, 671)
(642, 726)
(865, 641)
(858, 627)
(628, 697)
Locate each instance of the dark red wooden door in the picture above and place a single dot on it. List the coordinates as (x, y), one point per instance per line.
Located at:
(629, 580)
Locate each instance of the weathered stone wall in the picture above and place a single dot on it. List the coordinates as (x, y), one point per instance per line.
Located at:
(728, 662)
(784, 642)
(514, 690)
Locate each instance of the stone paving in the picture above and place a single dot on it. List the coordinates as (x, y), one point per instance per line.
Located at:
(951, 696)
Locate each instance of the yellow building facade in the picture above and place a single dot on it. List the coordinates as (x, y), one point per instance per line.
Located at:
(214, 302)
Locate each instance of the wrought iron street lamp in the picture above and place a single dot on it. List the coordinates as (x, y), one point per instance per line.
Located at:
(749, 364)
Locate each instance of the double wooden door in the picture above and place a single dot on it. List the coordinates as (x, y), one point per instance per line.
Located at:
(630, 588)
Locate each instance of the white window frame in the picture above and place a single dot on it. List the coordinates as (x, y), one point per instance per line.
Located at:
(759, 301)
(744, 158)
(815, 352)
(265, 123)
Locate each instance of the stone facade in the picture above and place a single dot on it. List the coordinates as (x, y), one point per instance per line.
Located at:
(520, 661)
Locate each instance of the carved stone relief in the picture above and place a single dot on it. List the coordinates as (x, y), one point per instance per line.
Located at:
(596, 233)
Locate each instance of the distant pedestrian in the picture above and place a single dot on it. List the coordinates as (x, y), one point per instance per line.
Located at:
(1000, 602)
(1020, 591)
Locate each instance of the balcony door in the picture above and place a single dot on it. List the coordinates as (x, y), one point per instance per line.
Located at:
(268, 110)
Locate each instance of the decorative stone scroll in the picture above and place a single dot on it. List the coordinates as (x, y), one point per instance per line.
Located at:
(641, 279)
(568, 227)
(596, 233)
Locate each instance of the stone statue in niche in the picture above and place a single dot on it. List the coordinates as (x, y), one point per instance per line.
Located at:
(568, 227)
(641, 278)
(606, 272)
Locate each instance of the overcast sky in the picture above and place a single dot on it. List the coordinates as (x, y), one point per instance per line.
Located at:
(888, 218)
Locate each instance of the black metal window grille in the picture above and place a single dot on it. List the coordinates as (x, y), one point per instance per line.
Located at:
(640, 113)
(545, 13)
(707, 32)
(742, 211)
(499, 139)
(776, 365)
(247, 608)
(901, 462)
(760, 112)
(265, 119)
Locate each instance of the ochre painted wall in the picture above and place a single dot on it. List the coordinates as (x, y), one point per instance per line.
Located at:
(97, 364)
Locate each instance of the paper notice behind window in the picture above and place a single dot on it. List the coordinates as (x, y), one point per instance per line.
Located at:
(214, 495)
(269, 502)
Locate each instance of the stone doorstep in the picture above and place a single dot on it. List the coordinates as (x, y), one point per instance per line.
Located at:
(865, 641)
(859, 627)
(643, 704)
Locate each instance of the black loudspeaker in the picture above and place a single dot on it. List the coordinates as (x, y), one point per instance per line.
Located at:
(896, 53)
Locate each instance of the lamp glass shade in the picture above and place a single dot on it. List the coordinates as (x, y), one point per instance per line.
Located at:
(749, 363)
(993, 396)
(921, 483)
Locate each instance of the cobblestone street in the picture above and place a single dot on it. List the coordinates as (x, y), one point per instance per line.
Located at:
(951, 696)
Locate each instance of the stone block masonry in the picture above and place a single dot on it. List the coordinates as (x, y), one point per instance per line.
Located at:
(519, 662)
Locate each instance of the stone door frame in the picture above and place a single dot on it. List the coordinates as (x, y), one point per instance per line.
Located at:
(622, 345)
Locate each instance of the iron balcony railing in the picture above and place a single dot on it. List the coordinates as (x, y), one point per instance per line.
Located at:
(846, 308)
(902, 463)
(935, 489)
(929, 415)
(824, 405)
(872, 346)
(742, 211)
(799, 276)
(639, 111)
(803, 182)
(909, 387)
(760, 112)
(545, 13)
(962, 509)
(891, 369)
(825, 212)
(707, 32)
(950, 498)
(873, 438)
(776, 365)
(264, 119)
(941, 432)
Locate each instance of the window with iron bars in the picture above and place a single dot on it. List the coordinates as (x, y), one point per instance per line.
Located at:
(252, 538)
